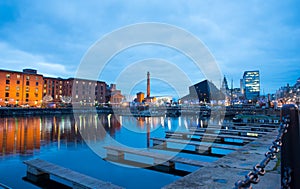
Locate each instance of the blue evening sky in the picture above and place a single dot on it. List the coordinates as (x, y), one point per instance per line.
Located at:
(53, 36)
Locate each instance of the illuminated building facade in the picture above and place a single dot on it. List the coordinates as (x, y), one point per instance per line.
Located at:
(140, 97)
(53, 87)
(20, 88)
(32, 89)
(251, 85)
(85, 91)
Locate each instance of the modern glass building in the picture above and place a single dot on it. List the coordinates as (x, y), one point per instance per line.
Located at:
(251, 84)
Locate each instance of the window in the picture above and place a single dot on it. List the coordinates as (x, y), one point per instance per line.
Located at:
(27, 95)
(36, 95)
(37, 78)
(27, 83)
(7, 88)
(7, 82)
(17, 88)
(27, 89)
(6, 94)
(7, 76)
(27, 77)
(17, 94)
(36, 83)
(26, 100)
(36, 90)
(18, 82)
(18, 76)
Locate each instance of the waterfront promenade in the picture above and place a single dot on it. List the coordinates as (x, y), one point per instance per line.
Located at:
(224, 172)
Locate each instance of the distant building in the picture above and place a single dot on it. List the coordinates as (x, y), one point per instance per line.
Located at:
(251, 85)
(289, 94)
(225, 84)
(140, 97)
(20, 88)
(204, 91)
(113, 96)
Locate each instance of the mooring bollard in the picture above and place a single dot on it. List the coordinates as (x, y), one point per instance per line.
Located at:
(290, 150)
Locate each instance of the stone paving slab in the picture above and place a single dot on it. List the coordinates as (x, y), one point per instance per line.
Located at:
(224, 172)
(214, 177)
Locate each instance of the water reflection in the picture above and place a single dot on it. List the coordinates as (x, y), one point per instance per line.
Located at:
(26, 135)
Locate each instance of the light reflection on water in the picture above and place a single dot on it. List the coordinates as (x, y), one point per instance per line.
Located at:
(59, 139)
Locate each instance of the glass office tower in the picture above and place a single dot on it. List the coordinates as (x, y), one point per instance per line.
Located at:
(251, 83)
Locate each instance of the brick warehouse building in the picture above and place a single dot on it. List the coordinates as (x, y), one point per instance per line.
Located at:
(30, 88)
(19, 88)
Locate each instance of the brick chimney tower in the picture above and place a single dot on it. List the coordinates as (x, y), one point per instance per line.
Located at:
(148, 85)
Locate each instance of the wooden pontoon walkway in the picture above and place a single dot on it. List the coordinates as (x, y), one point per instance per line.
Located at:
(222, 137)
(40, 169)
(200, 147)
(118, 152)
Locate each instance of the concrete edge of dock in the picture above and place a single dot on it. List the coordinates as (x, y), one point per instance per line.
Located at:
(224, 172)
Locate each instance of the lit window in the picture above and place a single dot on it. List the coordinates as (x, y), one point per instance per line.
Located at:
(83, 82)
(17, 88)
(18, 76)
(76, 96)
(7, 75)
(7, 88)
(27, 77)
(27, 89)
(36, 90)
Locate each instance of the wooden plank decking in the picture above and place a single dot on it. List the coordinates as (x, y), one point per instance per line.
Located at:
(214, 136)
(199, 146)
(238, 132)
(40, 167)
(119, 151)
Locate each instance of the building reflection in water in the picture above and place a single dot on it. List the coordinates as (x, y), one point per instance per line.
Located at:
(26, 135)
(19, 135)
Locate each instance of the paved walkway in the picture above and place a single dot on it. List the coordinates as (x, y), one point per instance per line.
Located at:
(227, 170)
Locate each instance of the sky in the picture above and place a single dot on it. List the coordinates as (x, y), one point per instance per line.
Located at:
(55, 36)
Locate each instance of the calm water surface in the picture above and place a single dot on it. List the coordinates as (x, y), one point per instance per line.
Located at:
(63, 140)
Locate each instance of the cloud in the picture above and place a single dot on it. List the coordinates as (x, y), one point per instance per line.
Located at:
(15, 59)
(242, 35)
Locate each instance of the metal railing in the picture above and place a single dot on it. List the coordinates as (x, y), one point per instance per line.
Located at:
(288, 142)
